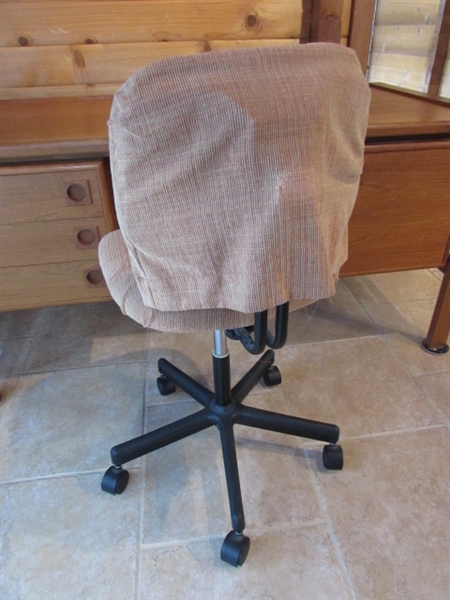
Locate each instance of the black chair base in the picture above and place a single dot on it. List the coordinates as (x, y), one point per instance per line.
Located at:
(222, 408)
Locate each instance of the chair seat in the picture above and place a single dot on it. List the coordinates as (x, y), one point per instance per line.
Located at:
(116, 267)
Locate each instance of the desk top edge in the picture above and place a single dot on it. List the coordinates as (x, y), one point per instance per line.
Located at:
(39, 129)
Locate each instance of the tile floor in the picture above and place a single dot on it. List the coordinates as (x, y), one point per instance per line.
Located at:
(76, 380)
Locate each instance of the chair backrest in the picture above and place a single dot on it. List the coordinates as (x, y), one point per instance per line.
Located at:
(235, 173)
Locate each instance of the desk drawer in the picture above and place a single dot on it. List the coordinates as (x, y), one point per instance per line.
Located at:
(52, 191)
(401, 218)
(52, 284)
(52, 219)
(50, 241)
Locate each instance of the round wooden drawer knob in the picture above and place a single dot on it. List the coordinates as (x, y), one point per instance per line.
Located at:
(77, 193)
(87, 237)
(94, 277)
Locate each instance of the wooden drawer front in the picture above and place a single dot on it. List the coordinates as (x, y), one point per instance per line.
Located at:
(55, 283)
(401, 218)
(49, 192)
(52, 219)
(50, 241)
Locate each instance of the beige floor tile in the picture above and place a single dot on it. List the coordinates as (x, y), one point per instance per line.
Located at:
(335, 318)
(13, 355)
(389, 510)
(62, 539)
(176, 479)
(437, 387)
(86, 334)
(19, 323)
(192, 353)
(386, 288)
(186, 492)
(410, 319)
(291, 564)
(357, 384)
(67, 421)
(377, 530)
(437, 273)
(407, 324)
(276, 486)
(415, 358)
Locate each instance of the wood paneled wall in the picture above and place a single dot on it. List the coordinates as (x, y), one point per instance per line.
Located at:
(54, 48)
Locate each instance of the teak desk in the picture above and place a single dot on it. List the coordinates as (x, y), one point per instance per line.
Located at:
(57, 202)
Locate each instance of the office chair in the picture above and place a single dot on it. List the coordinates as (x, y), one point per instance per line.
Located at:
(234, 173)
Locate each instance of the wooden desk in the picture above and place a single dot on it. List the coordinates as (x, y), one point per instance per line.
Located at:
(401, 218)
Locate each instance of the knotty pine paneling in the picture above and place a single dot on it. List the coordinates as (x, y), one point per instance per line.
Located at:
(113, 21)
(63, 48)
(98, 63)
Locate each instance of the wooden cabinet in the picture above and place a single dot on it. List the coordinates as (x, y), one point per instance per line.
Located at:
(53, 214)
(53, 217)
(401, 218)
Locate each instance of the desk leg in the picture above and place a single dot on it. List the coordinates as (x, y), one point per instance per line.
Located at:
(436, 340)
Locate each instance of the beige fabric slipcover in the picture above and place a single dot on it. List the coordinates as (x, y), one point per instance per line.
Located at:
(235, 174)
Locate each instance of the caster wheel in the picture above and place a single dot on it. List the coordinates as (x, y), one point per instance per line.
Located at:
(235, 548)
(115, 480)
(165, 386)
(272, 376)
(333, 457)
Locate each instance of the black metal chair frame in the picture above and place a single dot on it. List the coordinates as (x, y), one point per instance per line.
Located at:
(224, 408)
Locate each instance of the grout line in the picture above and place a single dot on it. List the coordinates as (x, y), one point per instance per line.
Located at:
(140, 537)
(430, 373)
(26, 356)
(400, 431)
(349, 288)
(181, 401)
(396, 432)
(395, 303)
(184, 541)
(335, 543)
(13, 338)
(260, 530)
(68, 475)
(80, 367)
(437, 276)
(429, 399)
(40, 325)
(368, 436)
(404, 364)
(140, 532)
(288, 345)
